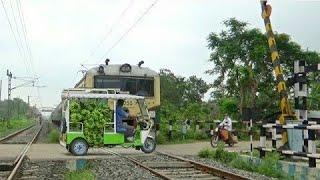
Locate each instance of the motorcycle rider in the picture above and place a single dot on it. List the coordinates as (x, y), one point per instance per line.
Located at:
(227, 125)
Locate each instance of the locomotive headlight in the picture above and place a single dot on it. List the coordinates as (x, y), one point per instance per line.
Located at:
(101, 69)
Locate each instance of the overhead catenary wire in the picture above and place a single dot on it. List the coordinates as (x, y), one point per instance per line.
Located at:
(13, 33)
(25, 35)
(24, 49)
(129, 29)
(27, 41)
(21, 33)
(115, 23)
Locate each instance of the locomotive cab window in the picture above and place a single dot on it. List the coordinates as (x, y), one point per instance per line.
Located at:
(135, 86)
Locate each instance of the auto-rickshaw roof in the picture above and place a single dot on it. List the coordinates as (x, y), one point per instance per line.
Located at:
(91, 94)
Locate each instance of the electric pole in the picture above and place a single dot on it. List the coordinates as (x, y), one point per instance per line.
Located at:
(9, 74)
(27, 81)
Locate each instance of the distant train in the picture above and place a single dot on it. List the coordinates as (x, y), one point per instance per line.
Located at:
(133, 79)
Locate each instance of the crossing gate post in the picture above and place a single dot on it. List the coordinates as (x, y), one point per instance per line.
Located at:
(262, 141)
(170, 130)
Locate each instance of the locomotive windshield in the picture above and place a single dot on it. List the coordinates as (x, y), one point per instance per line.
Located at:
(135, 86)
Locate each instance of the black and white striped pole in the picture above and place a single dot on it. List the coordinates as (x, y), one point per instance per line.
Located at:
(263, 139)
(211, 130)
(300, 98)
(251, 139)
(170, 130)
(301, 93)
(311, 132)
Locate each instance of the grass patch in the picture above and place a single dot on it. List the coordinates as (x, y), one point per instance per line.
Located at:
(255, 153)
(268, 166)
(178, 138)
(14, 125)
(53, 136)
(85, 174)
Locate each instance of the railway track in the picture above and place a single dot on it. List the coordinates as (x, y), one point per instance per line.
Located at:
(167, 166)
(9, 170)
(12, 135)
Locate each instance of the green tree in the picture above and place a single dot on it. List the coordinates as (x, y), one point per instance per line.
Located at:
(181, 98)
(243, 65)
(18, 109)
(195, 88)
(172, 88)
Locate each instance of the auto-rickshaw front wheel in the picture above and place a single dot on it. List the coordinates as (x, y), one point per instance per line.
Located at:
(149, 145)
(79, 147)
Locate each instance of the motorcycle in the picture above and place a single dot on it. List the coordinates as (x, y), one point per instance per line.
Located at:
(221, 134)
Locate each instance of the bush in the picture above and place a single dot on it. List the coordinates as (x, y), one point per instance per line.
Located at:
(244, 164)
(224, 156)
(206, 153)
(80, 175)
(7, 127)
(53, 136)
(199, 135)
(268, 166)
(161, 138)
(219, 154)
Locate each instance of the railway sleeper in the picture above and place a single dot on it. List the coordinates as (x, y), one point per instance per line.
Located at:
(28, 177)
(28, 172)
(192, 176)
(168, 164)
(180, 172)
(6, 167)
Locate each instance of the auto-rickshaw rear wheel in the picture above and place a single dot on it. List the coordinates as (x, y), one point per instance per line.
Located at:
(149, 145)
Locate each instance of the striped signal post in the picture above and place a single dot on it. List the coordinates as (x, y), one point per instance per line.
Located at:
(263, 139)
(300, 97)
(286, 111)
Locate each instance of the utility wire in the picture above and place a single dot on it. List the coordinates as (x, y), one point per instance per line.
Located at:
(12, 31)
(22, 20)
(113, 25)
(26, 55)
(25, 34)
(19, 35)
(131, 27)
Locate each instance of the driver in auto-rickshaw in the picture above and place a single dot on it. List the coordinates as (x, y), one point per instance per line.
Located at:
(121, 127)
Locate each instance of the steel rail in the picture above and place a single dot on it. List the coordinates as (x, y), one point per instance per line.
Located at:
(15, 133)
(199, 166)
(205, 168)
(139, 164)
(21, 156)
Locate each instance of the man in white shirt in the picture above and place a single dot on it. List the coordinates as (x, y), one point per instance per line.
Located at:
(226, 123)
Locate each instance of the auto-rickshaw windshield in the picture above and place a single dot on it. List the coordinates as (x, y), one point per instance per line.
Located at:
(143, 108)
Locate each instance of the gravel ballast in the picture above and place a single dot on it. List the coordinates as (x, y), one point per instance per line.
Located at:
(112, 167)
(249, 175)
(23, 137)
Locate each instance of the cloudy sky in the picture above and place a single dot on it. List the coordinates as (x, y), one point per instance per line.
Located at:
(65, 33)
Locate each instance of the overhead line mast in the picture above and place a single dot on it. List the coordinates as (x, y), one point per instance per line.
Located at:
(286, 110)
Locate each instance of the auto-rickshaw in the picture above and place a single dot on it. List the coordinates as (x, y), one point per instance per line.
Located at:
(74, 138)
